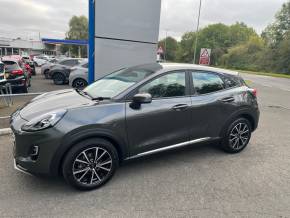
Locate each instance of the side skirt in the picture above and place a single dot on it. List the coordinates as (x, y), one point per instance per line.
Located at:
(171, 147)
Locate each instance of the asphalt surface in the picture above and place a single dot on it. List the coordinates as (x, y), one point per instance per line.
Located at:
(196, 181)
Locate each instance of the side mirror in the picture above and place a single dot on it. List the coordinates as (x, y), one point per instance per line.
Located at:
(139, 99)
(143, 98)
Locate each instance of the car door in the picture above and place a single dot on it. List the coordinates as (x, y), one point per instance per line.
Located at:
(166, 120)
(208, 104)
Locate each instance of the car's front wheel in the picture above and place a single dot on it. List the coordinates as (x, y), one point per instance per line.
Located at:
(90, 164)
(237, 136)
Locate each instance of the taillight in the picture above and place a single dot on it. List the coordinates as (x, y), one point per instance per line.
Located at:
(17, 72)
(254, 92)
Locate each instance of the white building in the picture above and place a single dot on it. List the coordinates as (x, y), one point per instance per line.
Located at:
(17, 46)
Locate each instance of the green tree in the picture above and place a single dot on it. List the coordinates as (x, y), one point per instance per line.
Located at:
(185, 49)
(78, 30)
(245, 56)
(277, 31)
(169, 46)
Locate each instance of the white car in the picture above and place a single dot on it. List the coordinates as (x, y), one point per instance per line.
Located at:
(78, 77)
(40, 60)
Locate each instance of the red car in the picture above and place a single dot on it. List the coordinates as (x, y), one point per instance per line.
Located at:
(17, 74)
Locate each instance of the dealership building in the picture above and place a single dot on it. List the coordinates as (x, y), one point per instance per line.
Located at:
(20, 46)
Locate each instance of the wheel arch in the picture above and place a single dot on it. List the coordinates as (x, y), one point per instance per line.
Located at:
(72, 139)
(240, 114)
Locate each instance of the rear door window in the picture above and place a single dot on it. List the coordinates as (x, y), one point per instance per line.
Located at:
(207, 82)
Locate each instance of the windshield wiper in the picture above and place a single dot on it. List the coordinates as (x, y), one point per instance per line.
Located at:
(101, 98)
(82, 93)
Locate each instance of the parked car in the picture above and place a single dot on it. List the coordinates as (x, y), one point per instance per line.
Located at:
(47, 66)
(59, 73)
(133, 112)
(17, 75)
(78, 77)
(31, 64)
(40, 60)
(2, 72)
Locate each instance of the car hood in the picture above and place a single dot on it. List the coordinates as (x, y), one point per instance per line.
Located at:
(52, 101)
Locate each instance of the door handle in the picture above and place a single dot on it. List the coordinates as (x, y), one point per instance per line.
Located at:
(228, 99)
(180, 107)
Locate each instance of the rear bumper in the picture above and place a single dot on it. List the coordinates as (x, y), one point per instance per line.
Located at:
(17, 82)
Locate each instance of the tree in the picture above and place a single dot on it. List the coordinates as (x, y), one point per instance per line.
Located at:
(170, 48)
(78, 30)
(245, 56)
(276, 31)
(185, 49)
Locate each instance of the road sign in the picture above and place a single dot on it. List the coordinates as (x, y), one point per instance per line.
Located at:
(204, 58)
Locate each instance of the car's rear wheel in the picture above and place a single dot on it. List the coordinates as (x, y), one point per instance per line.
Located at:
(237, 136)
(58, 79)
(79, 83)
(90, 164)
(46, 74)
(24, 89)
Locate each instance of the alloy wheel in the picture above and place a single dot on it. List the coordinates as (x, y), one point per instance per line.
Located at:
(239, 136)
(92, 166)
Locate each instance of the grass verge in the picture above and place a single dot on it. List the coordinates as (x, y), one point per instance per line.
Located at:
(280, 75)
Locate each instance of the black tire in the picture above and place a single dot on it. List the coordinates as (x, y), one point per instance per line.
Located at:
(79, 83)
(24, 89)
(237, 136)
(71, 166)
(46, 74)
(58, 78)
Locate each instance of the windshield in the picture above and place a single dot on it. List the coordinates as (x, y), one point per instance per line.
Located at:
(117, 82)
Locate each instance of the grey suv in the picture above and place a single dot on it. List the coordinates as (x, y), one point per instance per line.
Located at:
(85, 135)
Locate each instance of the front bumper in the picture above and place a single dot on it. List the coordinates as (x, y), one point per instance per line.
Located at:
(47, 141)
(20, 169)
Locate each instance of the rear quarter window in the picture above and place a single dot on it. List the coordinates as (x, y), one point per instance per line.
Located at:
(231, 81)
(207, 82)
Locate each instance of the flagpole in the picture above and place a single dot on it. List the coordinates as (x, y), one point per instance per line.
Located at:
(197, 29)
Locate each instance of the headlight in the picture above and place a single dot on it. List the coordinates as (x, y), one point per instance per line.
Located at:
(44, 121)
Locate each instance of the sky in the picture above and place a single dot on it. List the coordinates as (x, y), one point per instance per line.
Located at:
(49, 18)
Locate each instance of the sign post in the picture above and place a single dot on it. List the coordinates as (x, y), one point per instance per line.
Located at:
(204, 58)
(122, 34)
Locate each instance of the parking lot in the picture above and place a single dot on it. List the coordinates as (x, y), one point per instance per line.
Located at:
(196, 181)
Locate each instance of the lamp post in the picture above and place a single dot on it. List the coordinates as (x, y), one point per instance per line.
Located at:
(197, 29)
(165, 45)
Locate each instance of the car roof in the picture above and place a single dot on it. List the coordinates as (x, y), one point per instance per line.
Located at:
(181, 66)
(175, 66)
(10, 60)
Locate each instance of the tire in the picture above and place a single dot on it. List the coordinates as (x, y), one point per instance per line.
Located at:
(24, 89)
(79, 83)
(78, 171)
(58, 78)
(237, 136)
(46, 74)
